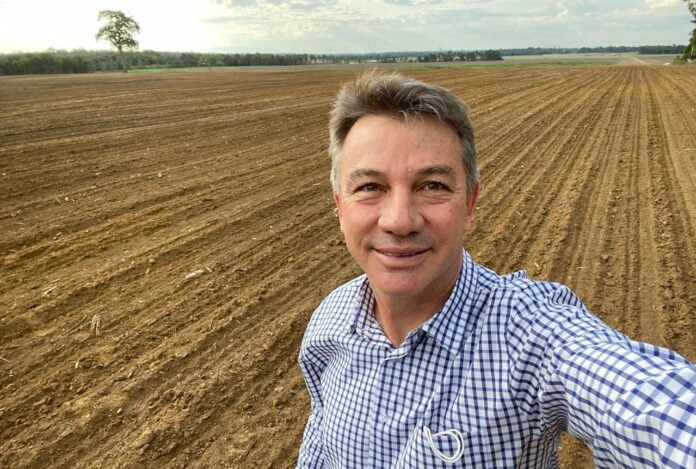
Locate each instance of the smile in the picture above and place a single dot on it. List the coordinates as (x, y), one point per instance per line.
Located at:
(399, 256)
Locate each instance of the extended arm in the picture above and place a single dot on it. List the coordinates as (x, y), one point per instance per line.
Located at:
(633, 403)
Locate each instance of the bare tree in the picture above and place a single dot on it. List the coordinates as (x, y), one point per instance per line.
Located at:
(118, 30)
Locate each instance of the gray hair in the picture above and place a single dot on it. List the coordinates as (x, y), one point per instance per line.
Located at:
(402, 98)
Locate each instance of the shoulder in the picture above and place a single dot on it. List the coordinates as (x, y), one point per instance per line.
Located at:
(527, 300)
(338, 307)
(541, 313)
(521, 293)
(333, 318)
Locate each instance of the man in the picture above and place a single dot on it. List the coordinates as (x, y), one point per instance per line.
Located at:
(430, 360)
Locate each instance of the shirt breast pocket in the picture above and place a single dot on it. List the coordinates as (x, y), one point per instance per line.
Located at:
(439, 448)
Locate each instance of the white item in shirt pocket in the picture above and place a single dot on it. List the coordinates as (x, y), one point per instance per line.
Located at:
(438, 448)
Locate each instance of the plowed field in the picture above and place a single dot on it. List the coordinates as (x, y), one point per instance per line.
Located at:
(165, 238)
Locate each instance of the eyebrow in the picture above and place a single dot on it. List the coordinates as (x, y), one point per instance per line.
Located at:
(435, 170)
(362, 172)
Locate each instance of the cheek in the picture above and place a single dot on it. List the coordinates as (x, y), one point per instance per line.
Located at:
(451, 222)
(354, 224)
(349, 221)
(360, 229)
(358, 216)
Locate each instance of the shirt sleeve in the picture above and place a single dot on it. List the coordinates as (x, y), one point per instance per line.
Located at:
(652, 424)
(311, 455)
(311, 451)
(633, 403)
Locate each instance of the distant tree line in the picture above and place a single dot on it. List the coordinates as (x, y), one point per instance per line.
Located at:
(461, 56)
(408, 56)
(673, 49)
(447, 56)
(84, 61)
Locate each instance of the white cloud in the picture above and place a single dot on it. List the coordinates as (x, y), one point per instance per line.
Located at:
(655, 4)
(562, 10)
(325, 26)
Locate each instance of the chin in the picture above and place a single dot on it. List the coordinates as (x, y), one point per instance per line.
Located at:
(396, 285)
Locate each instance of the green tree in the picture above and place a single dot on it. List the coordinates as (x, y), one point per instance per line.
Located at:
(205, 60)
(118, 30)
(690, 49)
(492, 55)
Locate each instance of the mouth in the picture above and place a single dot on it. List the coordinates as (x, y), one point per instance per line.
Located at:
(400, 256)
(400, 252)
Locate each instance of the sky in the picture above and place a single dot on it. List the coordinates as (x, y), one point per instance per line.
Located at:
(338, 26)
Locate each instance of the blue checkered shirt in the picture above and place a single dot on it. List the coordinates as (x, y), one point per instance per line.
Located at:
(490, 381)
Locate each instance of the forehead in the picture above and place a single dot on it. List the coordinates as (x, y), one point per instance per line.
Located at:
(384, 143)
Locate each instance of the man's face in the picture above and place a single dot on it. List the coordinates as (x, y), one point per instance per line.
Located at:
(403, 205)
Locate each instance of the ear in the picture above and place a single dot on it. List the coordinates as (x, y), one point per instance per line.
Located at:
(339, 208)
(471, 200)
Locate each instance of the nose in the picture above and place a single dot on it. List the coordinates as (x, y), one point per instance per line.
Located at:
(399, 214)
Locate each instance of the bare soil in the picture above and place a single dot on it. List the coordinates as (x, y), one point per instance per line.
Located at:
(165, 238)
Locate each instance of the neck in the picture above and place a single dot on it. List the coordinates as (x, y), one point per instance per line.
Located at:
(399, 316)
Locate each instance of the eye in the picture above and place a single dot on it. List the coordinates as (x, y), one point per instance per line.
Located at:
(434, 186)
(367, 187)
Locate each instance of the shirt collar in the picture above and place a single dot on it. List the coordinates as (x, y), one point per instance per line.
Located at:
(448, 326)
(363, 316)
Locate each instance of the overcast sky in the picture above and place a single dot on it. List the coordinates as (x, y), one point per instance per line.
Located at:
(330, 26)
